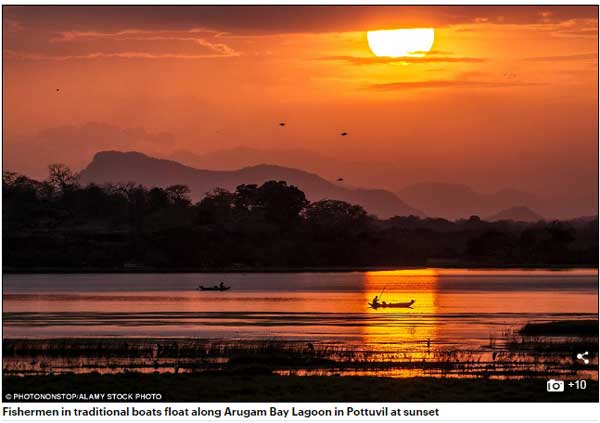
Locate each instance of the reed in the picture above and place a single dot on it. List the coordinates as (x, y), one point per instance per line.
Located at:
(105, 355)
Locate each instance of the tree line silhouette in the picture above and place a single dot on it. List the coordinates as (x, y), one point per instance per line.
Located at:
(58, 223)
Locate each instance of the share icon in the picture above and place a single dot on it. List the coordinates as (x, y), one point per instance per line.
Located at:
(582, 356)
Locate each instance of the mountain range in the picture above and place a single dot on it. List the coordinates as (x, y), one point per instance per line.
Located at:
(518, 214)
(455, 201)
(434, 197)
(115, 167)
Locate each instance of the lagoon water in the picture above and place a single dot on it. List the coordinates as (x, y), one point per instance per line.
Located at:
(454, 308)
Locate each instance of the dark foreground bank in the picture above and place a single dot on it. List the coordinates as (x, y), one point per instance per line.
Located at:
(207, 387)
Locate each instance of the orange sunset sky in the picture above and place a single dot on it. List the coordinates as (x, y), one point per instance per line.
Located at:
(507, 96)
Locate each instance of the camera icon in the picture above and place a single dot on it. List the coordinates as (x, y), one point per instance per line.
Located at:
(555, 385)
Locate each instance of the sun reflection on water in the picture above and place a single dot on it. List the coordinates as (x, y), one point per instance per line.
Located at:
(411, 332)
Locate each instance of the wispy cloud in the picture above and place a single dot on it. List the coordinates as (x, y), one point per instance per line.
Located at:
(582, 32)
(11, 24)
(564, 57)
(127, 35)
(10, 54)
(410, 85)
(433, 52)
(575, 28)
(272, 19)
(105, 45)
(364, 60)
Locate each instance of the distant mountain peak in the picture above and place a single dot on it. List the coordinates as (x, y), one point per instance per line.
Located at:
(517, 214)
(456, 201)
(115, 153)
(267, 166)
(133, 166)
(445, 185)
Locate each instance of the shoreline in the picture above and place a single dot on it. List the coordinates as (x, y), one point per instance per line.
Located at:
(340, 269)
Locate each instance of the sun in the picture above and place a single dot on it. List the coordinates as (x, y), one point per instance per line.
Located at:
(413, 42)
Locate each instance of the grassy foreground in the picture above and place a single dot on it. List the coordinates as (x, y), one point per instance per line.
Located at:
(219, 387)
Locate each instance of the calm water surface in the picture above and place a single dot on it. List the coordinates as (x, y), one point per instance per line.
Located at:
(453, 308)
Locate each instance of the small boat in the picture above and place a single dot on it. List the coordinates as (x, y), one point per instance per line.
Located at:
(213, 288)
(383, 304)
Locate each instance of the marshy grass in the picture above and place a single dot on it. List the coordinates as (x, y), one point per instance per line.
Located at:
(113, 356)
(561, 337)
(570, 328)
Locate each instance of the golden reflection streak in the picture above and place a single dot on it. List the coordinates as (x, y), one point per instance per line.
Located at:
(412, 332)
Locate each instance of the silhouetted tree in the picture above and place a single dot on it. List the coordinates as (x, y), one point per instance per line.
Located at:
(61, 177)
(216, 207)
(58, 223)
(336, 216)
(179, 195)
(281, 203)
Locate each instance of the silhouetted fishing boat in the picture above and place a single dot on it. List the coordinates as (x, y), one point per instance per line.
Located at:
(213, 288)
(383, 304)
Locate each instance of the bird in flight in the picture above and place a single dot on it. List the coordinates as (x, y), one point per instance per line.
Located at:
(281, 123)
(340, 179)
(343, 134)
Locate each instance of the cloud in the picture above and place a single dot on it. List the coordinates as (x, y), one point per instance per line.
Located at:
(156, 32)
(127, 44)
(372, 60)
(10, 54)
(130, 34)
(575, 28)
(564, 58)
(142, 35)
(433, 52)
(410, 85)
(253, 20)
(10, 24)
(582, 32)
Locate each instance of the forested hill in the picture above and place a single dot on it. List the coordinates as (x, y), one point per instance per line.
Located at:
(118, 167)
